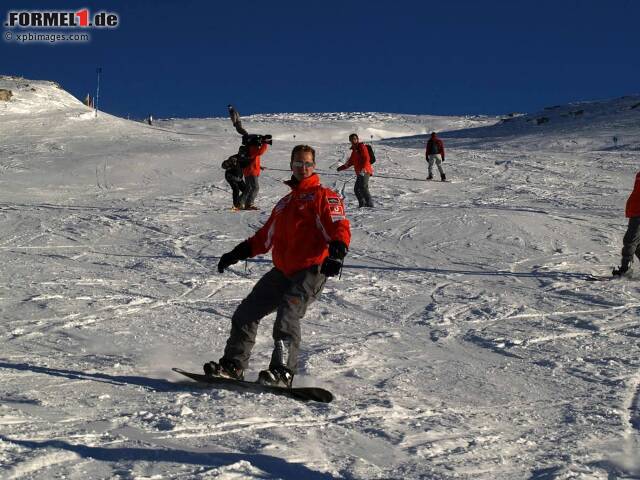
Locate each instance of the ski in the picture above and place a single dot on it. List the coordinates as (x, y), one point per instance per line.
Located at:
(304, 394)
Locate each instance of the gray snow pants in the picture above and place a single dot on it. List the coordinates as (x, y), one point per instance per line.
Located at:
(361, 189)
(248, 197)
(290, 297)
(437, 158)
(631, 241)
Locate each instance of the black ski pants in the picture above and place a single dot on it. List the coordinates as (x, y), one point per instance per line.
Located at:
(289, 297)
(361, 189)
(631, 241)
(250, 193)
(237, 184)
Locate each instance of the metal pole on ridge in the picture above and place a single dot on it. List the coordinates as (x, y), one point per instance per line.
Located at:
(98, 71)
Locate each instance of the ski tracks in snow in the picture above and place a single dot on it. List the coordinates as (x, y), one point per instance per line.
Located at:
(463, 339)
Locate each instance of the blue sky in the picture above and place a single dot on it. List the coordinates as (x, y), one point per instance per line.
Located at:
(192, 58)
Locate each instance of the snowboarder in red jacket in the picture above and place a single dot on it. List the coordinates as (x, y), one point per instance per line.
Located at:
(308, 235)
(631, 240)
(435, 153)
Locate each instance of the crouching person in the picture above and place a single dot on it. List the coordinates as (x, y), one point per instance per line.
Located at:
(309, 236)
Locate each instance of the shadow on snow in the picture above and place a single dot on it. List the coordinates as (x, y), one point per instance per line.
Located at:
(275, 467)
(155, 384)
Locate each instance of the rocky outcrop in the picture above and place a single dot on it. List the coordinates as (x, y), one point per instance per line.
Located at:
(5, 95)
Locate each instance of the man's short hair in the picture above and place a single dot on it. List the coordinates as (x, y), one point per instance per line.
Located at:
(354, 135)
(303, 148)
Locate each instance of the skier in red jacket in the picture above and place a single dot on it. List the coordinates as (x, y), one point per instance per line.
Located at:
(251, 173)
(435, 153)
(631, 240)
(361, 162)
(309, 237)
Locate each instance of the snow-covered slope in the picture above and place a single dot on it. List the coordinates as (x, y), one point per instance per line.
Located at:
(53, 145)
(37, 98)
(467, 338)
(609, 125)
(321, 128)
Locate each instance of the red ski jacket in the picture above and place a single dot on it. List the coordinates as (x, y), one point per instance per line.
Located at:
(301, 225)
(439, 146)
(633, 202)
(359, 159)
(253, 169)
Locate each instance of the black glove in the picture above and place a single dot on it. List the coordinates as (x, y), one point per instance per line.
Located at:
(331, 267)
(240, 252)
(337, 249)
(333, 263)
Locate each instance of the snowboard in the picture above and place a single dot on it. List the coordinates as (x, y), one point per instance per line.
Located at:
(304, 394)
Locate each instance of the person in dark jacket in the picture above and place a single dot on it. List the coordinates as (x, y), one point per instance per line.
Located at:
(361, 163)
(631, 240)
(233, 174)
(435, 154)
(308, 235)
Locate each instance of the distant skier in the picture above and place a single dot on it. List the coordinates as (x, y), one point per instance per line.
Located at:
(150, 119)
(256, 146)
(309, 235)
(361, 162)
(233, 174)
(435, 153)
(631, 240)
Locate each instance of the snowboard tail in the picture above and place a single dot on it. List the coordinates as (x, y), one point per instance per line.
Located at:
(304, 394)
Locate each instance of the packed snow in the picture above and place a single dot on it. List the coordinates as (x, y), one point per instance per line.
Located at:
(475, 332)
